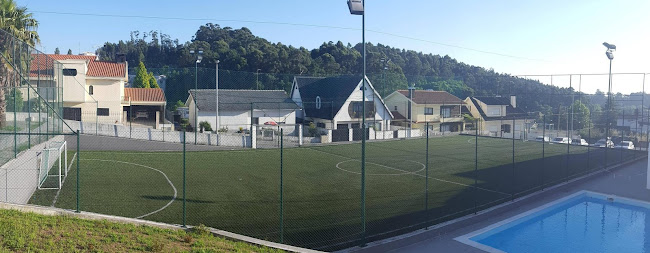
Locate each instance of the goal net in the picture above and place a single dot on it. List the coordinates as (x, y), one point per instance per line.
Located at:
(52, 165)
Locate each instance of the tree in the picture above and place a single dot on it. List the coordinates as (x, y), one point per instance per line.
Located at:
(152, 81)
(57, 51)
(20, 24)
(142, 77)
(69, 51)
(9, 97)
(178, 104)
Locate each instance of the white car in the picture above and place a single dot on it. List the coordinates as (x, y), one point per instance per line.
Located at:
(579, 142)
(625, 145)
(542, 139)
(601, 143)
(561, 140)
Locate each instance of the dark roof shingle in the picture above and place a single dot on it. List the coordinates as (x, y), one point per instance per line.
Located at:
(240, 100)
(432, 97)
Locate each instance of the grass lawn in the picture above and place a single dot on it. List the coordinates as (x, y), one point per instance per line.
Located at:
(238, 191)
(29, 232)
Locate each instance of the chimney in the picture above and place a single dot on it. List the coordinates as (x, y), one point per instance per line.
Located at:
(513, 101)
(119, 57)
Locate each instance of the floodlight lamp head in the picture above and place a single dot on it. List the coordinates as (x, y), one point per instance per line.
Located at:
(199, 58)
(609, 46)
(610, 54)
(192, 51)
(356, 7)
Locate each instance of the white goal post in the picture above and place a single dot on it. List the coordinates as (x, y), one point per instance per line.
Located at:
(52, 165)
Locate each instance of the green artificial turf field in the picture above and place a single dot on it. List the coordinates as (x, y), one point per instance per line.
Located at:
(239, 190)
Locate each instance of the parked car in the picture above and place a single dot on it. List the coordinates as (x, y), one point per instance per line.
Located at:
(542, 139)
(561, 140)
(141, 114)
(602, 143)
(579, 142)
(625, 145)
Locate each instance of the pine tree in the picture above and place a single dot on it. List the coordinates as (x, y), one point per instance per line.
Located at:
(57, 51)
(69, 51)
(152, 81)
(142, 77)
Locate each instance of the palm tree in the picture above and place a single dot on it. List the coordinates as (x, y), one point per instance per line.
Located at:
(17, 22)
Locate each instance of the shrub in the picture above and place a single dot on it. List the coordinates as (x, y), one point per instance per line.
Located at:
(204, 125)
(313, 132)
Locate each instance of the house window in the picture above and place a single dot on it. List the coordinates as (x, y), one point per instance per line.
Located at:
(494, 111)
(355, 109)
(445, 112)
(318, 102)
(428, 111)
(70, 72)
(395, 108)
(102, 111)
(445, 128)
(505, 128)
(91, 90)
(320, 124)
(256, 121)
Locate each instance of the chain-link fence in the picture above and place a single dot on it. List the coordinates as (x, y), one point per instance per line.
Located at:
(257, 160)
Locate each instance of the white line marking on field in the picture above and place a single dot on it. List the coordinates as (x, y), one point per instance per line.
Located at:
(408, 172)
(56, 197)
(151, 168)
(381, 174)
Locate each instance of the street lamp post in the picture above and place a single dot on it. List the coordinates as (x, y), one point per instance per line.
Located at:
(257, 79)
(199, 57)
(610, 55)
(357, 8)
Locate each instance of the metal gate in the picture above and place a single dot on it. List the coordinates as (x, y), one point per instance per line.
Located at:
(340, 135)
(357, 134)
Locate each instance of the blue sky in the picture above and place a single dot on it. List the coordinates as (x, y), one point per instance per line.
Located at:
(547, 37)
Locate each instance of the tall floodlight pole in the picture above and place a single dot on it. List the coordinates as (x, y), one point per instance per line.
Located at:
(357, 8)
(216, 119)
(383, 89)
(199, 57)
(610, 55)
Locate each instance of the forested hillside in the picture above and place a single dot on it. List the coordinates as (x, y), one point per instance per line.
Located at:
(241, 50)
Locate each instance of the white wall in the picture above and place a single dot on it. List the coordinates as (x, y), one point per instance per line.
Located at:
(357, 95)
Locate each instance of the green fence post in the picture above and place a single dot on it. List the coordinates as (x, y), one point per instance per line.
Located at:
(622, 138)
(426, 180)
(589, 146)
(568, 147)
(184, 180)
(514, 180)
(281, 186)
(475, 166)
(15, 123)
(543, 150)
(29, 116)
(78, 178)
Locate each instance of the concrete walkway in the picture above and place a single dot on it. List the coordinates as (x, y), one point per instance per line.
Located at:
(627, 181)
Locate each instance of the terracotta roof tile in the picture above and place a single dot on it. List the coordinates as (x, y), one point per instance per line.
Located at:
(144, 94)
(43, 64)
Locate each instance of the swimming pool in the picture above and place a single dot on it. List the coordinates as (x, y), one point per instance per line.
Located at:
(582, 222)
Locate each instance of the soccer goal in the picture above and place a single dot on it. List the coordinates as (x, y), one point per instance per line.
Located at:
(52, 165)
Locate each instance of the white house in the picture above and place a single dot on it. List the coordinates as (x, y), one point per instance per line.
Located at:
(418, 107)
(336, 102)
(93, 90)
(241, 108)
(498, 116)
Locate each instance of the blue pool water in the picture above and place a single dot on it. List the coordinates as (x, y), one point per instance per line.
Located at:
(584, 223)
